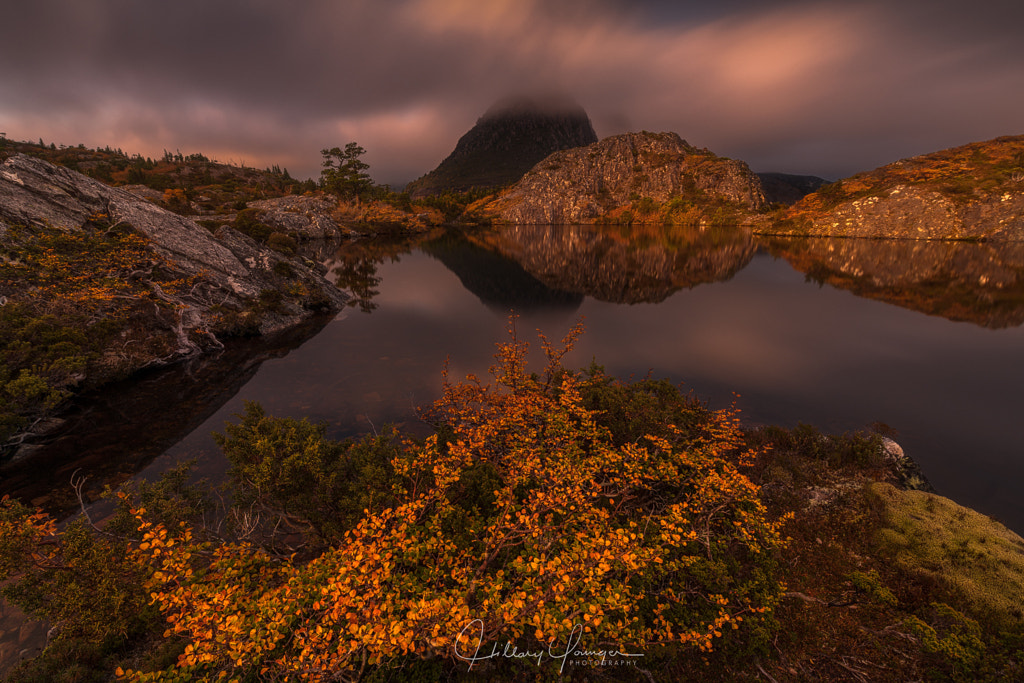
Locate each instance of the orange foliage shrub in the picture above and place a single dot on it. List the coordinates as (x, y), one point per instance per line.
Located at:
(520, 523)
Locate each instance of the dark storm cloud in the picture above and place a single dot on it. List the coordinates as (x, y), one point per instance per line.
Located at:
(817, 87)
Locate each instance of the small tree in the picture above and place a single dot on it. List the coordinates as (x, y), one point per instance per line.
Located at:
(344, 173)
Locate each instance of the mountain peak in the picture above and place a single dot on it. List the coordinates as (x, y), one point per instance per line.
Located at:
(508, 140)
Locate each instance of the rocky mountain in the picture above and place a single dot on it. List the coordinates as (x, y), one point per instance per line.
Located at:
(636, 177)
(785, 188)
(505, 143)
(971, 192)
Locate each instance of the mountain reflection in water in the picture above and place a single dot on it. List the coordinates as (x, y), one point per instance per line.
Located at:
(716, 309)
(623, 264)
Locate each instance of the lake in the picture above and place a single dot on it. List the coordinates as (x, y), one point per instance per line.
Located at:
(924, 337)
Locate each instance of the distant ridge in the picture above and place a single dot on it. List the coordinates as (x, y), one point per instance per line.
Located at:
(784, 188)
(507, 141)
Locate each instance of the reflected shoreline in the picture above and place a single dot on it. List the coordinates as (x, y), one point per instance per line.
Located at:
(962, 281)
(110, 433)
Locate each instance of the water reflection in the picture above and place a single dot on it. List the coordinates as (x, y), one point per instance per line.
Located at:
(623, 264)
(113, 433)
(500, 282)
(980, 283)
(795, 351)
(352, 266)
(553, 267)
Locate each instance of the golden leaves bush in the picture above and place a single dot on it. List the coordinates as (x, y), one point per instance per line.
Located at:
(651, 542)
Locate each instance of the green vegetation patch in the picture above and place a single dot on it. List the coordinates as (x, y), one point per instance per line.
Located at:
(66, 297)
(967, 552)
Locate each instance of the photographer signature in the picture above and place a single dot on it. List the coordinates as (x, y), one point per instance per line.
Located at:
(509, 650)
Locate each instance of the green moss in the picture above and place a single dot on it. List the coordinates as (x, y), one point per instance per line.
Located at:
(974, 557)
(870, 583)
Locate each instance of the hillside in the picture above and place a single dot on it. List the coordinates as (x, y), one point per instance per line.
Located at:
(975, 191)
(186, 184)
(507, 141)
(636, 177)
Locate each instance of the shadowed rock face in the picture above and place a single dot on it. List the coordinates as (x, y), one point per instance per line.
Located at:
(784, 188)
(585, 184)
(963, 281)
(505, 143)
(603, 263)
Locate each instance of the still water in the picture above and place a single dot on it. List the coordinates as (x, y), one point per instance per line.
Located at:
(923, 337)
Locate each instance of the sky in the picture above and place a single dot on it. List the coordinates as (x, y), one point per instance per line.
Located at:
(808, 87)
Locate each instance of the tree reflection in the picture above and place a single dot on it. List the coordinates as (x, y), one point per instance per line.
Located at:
(354, 268)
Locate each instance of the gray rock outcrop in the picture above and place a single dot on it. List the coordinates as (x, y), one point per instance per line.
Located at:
(585, 184)
(918, 212)
(232, 271)
(309, 217)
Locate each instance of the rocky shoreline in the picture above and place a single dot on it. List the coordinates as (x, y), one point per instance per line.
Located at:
(135, 285)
